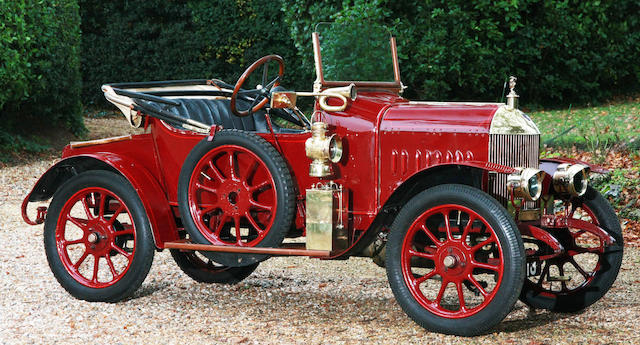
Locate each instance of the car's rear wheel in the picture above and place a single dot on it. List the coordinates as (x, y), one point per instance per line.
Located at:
(455, 260)
(236, 190)
(97, 237)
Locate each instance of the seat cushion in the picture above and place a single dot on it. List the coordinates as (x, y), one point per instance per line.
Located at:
(218, 112)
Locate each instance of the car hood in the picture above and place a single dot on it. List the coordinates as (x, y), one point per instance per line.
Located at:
(458, 117)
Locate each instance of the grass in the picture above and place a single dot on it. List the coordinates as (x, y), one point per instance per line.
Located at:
(613, 126)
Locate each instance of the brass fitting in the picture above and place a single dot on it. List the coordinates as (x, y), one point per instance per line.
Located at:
(322, 150)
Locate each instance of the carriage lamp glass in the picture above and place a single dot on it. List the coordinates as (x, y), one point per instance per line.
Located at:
(571, 179)
(526, 183)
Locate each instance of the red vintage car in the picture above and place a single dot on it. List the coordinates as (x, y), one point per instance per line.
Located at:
(451, 198)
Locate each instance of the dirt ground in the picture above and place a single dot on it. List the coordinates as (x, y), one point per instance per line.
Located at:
(285, 301)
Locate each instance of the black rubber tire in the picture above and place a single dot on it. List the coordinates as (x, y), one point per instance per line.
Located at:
(512, 247)
(144, 251)
(210, 272)
(604, 277)
(285, 193)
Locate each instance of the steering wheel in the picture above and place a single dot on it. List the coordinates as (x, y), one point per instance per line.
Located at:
(261, 94)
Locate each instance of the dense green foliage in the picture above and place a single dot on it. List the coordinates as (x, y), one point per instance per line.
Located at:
(40, 70)
(564, 52)
(141, 40)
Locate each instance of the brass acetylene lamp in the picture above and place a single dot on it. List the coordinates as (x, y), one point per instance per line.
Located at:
(322, 150)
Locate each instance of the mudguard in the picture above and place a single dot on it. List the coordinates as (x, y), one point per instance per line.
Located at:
(146, 185)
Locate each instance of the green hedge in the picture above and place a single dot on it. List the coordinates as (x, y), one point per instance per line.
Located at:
(564, 52)
(142, 40)
(40, 70)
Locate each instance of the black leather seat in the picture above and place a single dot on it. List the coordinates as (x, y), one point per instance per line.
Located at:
(218, 111)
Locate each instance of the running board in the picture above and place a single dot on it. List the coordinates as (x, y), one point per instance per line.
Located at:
(288, 249)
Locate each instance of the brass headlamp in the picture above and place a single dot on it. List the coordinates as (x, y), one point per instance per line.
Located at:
(571, 179)
(322, 150)
(526, 183)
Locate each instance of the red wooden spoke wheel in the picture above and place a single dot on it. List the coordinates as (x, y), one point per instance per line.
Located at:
(455, 260)
(584, 272)
(236, 190)
(97, 237)
(102, 237)
(233, 196)
(461, 253)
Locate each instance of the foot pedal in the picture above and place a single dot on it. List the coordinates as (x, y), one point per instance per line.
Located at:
(558, 279)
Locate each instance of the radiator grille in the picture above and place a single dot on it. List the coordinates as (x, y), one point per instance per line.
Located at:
(514, 150)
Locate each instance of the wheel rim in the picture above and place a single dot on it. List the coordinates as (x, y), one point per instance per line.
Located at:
(232, 197)
(96, 237)
(581, 260)
(452, 261)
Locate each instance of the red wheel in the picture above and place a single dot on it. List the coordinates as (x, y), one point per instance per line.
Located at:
(236, 190)
(102, 237)
(233, 196)
(97, 237)
(458, 247)
(455, 260)
(585, 271)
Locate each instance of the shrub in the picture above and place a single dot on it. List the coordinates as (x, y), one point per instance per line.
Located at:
(141, 40)
(563, 51)
(40, 74)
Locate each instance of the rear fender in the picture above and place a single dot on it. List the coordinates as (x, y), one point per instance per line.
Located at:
(149, 190)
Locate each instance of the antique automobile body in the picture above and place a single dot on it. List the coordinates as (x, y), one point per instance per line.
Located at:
(456, 191)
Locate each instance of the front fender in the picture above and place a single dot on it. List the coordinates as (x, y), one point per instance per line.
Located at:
(550, 165)
(145, 184)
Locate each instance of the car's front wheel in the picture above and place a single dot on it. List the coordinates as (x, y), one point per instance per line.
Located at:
(455, 260)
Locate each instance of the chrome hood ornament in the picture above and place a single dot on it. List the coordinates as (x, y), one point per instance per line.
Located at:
(512, 97)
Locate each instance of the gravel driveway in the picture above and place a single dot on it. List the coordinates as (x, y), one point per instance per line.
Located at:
(286, 300)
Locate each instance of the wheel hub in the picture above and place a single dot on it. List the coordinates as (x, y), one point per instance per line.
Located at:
(235, 198)
(452, 260)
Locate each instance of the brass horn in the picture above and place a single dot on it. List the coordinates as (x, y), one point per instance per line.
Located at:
(287, 99)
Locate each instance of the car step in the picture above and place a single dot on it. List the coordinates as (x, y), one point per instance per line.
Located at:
(288, 249)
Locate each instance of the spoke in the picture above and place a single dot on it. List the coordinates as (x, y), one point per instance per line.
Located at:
(579, 268)
(447, 225)
(96, 264)
(582, 250)
(68, 243)
(465, 232)
(217, 172)
(78, 222)
(253, 222)
(544, 273)
(81, 260)
(86, 208)
(422, 255)
(205, 188)
(431, 236)
(563, 284)
(273, 82)
(101, 205)
(112, 268)
(425, 277)
(475, 283)
(260, 186)
(251, 171)
(121, 251)
(443, 287)
(236, 222)
(485, 266)
(127, 231)
(221, 222)
(116, 214)
(232, 167)
(259, 205)
(209, 209)
(483, 243)
(463, 305)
